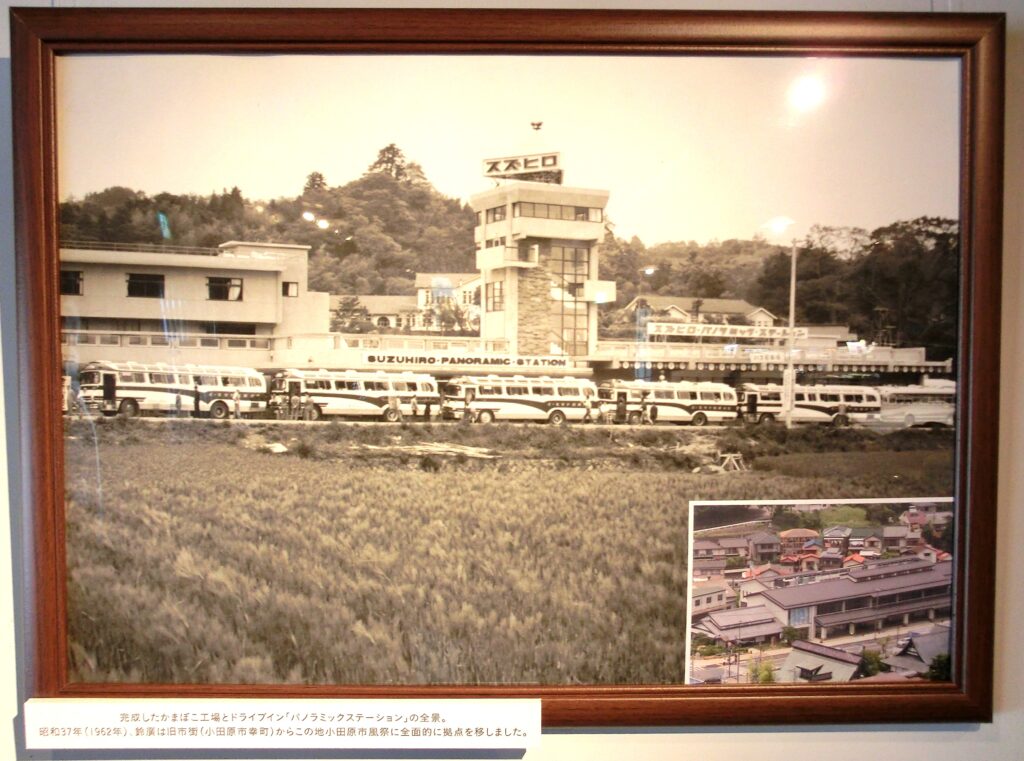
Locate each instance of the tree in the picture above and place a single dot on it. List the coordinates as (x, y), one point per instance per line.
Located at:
(790, 634)
(762, 673)
(904, 289)
(314, 181)
(390, 161)
(873, 662)
(940, 669)
(350, 316)
(939, 538)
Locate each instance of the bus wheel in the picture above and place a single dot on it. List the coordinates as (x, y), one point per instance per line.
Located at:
(557, 417)
(840, 421)
(391, 416)
(633, 418)
(219, 411)
(485, 416)
(128, 408)
(765, 418)
(909, 421)
(699, 419)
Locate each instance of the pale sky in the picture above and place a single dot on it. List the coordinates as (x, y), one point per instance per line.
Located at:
(693, 148)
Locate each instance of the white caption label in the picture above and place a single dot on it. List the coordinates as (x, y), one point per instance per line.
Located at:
(250, 723)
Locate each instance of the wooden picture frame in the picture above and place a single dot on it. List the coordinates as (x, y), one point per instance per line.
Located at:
(976, 41)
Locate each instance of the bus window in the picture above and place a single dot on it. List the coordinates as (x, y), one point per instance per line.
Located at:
(127, 377)
(205, 380)
(489, 390)
(710, 396)
(543, 391)
(255, 382)
(517, 390)
(427, 388)
(801, 397)
(604, 394)
(89, 379)
(377, 385)
(853, 398)
(686, 395)
(829, 397)
(568, 391)
(663, 394)
(771, 397)
(400, 385)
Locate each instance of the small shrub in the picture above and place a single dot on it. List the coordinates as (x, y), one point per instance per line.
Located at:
(430, 464)
(304, 449)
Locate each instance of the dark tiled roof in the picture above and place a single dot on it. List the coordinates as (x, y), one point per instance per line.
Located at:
(846, 587)
(824, 651)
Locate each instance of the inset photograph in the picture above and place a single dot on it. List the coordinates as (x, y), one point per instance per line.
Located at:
(828, 591)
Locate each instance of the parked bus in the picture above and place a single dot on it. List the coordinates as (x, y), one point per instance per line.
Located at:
(353, 393)
(932, 403)
(490, 398)
(837, 405)
(132, 388)
(696, 403)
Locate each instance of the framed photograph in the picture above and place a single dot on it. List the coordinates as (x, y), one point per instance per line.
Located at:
(443, 353)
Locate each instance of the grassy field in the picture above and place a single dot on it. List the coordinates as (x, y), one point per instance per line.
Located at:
(194, 557)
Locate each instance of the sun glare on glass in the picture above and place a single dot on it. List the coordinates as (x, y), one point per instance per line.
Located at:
(806, 93)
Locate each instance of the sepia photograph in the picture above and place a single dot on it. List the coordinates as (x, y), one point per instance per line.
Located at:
(821, 592)
(406, 370)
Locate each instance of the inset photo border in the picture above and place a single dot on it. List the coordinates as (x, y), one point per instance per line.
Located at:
(820, 591)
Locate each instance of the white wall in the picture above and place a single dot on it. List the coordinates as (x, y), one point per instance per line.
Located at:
(1003, 740)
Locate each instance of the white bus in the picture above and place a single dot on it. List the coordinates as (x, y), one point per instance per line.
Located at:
(696, 403)
(932, 403)
(354, 393)
(133, 388)
(837, 405)
(544, 399)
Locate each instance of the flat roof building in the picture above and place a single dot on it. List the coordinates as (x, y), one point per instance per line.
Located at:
(868, 595)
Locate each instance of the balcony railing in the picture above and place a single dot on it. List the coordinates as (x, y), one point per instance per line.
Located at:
(656, 351)
(147, 248)
(164, 340)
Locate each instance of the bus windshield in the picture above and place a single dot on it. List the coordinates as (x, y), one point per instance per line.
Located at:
(91, 378)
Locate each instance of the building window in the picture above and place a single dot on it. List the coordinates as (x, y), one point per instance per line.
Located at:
(496, 296)
(494, 242)
(289, 289)
(383, 322)
(145, 286)
(70, 283)
(556, 211)
(799, 616)
(496, 214)
(224, 288)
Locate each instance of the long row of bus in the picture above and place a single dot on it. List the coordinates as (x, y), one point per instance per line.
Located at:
(222, 392)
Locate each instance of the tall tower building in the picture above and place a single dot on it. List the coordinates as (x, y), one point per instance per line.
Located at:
(537, 252)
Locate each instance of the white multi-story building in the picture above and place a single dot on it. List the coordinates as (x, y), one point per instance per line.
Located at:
(133, 303)
(537, 252)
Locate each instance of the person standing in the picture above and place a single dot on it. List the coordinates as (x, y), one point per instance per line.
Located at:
(237, 399)
(195, 401)
(414, 406)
